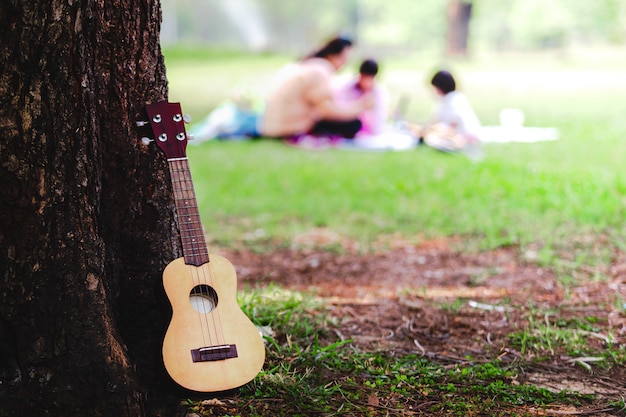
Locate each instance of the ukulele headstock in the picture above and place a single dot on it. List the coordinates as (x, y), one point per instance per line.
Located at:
(167, 122)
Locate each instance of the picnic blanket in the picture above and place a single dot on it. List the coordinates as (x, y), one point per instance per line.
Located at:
(386, 141)
(512, 129)
(230, 121)
(504, 134)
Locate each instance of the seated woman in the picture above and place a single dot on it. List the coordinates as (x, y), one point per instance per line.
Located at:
(301, 100)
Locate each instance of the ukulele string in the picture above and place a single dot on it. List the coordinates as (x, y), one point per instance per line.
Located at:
(193, 251)
(181, 194)
(203, 308)
(207, 275)
(215, 314)
(199, 248)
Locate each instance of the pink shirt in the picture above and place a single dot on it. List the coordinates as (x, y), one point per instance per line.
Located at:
(374, 119)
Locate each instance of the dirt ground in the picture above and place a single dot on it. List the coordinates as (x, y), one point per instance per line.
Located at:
(447, 305)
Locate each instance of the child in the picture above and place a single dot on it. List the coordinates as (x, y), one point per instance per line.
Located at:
(454, 125)
(373, 119)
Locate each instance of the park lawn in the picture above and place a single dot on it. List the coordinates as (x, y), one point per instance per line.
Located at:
(564, 195)
(261, 191)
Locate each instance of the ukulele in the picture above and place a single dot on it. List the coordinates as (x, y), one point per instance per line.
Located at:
(210, 344)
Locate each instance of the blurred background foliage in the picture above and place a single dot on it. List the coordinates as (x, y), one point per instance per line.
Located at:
(393, 27)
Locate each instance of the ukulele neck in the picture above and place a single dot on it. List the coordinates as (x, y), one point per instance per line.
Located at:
(192, 235)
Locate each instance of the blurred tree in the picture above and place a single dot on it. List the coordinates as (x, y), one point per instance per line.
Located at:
(459, 15)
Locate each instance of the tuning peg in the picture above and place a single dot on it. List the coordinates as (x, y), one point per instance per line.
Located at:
(187, 118)
(190, 136)
(146, 140)
(141, 123)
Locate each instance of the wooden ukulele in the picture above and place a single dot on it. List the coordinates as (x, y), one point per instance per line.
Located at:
(210, 344)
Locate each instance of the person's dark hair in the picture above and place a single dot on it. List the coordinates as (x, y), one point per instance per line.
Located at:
(444, 81)
(368, 67)
(333, 47)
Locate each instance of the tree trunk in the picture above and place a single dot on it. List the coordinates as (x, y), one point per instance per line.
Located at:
(86, 211)
(459, 14)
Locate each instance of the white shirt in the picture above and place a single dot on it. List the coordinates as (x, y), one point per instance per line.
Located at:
(454, 110)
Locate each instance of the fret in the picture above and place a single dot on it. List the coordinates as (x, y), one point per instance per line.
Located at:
(193, 232)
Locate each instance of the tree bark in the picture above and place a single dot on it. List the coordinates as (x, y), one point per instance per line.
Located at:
(86, 211)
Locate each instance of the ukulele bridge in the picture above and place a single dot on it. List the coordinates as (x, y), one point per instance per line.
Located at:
(214, 353)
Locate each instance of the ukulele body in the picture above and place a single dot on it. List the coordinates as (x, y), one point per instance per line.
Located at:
(210, 344)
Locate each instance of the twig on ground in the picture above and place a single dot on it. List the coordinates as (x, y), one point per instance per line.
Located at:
(582, 361)
(420, 347)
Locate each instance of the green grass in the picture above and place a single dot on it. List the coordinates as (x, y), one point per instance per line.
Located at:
(263, 191)
(309, 372)
(565, 200)
(550, 332)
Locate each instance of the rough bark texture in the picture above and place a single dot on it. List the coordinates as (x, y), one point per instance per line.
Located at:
(86, 213)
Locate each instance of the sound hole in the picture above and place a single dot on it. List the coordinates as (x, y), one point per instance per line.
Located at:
(203, 298)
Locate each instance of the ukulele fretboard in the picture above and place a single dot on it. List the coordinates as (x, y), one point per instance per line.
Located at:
(189, 223)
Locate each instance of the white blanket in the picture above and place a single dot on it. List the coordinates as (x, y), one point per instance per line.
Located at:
(503, 134)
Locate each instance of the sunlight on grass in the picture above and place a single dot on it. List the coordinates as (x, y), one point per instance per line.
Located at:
(562, 202)
(249, 187)
(313, 372)
(262, 191)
